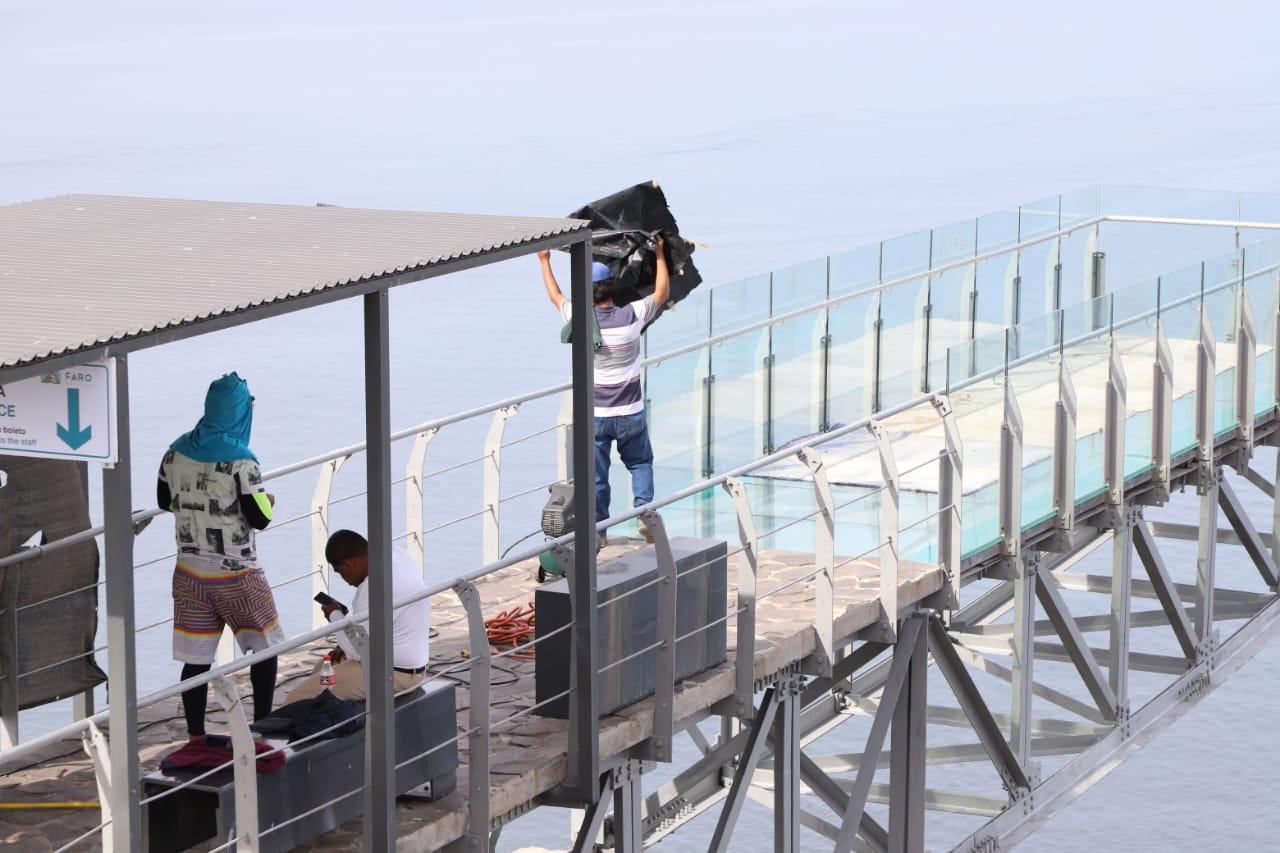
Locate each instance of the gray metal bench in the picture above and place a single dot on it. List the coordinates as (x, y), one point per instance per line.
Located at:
(313, 774)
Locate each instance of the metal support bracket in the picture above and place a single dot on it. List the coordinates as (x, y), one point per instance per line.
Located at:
(244, 766)
(1161, 418)
(1064, 459)
(1246, 368)
(950, 491)
(889, 504)
(1010, 485)
(492, 464)
(478, 746)
(748, 565)
(658, 746)
(1113, 427)
(416, 543)
(320, 534)
(824, 544)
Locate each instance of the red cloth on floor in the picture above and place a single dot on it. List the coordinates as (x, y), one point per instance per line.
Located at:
(215, 751)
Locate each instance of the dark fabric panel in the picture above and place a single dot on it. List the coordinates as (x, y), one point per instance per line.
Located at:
(622, 229)
(47, 497)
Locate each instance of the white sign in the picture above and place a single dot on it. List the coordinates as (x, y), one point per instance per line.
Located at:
(66, 414)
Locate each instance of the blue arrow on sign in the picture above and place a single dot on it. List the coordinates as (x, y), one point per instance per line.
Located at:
(72, 435)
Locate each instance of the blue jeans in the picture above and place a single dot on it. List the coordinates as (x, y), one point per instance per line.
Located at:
(631, 432)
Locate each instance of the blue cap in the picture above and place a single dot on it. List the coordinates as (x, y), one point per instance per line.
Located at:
(599, 272)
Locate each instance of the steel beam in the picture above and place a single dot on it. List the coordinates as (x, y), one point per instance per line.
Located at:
(975, 710)
(1062, 700)
(903, 653)
(582, 774)
(122, 666)
(380, 753)
(589, 829)
(1104, 694)
(1191, 533)
(751, 752)
(907, 756)
(830, 792)
(1165, 589)
(1249, 538)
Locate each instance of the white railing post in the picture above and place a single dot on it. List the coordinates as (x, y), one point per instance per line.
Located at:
(416, 542)
(95, 744)
(564, 443)
(493, 483)
(824, 556)
(1010, 486)
(1064, 455)
(950, 497)
(320, 534)
(889, 511)
(244, 766)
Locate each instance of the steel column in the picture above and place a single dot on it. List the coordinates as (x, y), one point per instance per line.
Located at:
(380, 753)
(907, 757)
(786, 769)
(1104, 696)
(1207, 478)
(1121, 587)
(903, 653)
(122, 667)
(756, 740)
(582, 776)
(628, 831)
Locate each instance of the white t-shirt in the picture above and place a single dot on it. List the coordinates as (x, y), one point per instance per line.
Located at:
(410, 625)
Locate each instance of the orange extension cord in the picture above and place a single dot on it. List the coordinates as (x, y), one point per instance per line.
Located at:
(512, 627)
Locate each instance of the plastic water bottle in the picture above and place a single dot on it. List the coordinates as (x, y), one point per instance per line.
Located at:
(328, 678)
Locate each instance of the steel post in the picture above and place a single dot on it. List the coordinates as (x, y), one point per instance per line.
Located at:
(320, 534)
(582, 777)
(1010, 485)
(380, 767)
(1161, 416)
(1246, 368)
(757, 738)
(415, 526)
(889, 534)
(245, 766)
(659, 746)
(122, 668)
(1121, 586)
(1113, 426)
(628, 831)
(478, 733)
(1064, 451)
(744, 654)
(907, 757)
(786, 769)
(1206, 556)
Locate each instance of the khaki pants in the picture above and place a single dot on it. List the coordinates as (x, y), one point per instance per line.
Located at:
(350, 675)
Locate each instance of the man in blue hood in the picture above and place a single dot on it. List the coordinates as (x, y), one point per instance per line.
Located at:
(210, 481)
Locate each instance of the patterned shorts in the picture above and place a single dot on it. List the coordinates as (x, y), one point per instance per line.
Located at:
(205, 599)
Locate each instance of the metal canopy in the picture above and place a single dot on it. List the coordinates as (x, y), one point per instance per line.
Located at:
(80, 274)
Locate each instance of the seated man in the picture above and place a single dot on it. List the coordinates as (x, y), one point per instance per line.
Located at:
(348, 553)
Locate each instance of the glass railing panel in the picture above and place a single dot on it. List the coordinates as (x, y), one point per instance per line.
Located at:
(854, 270)
(1131, 302)
(950, 296)
(676, 392)
(1180, 284)
(904, 256)
(1075, 250)
(1034, 338)
(975, 358)
(797, 376)
(1180, 321)
(1222, 305)
(738, 399)
(902, 342)
(1166, 202)
(1262, 283)
(799, 286)
(1259, 207)
(851, 362)
(1135, 341)
(994, 277)
(739, 304)
(1078, 206)
(978, 410)
(1039, 217)
(1034, 380)
(1139, 251)
(1037, 269)
(689, 321)
(1087, 358)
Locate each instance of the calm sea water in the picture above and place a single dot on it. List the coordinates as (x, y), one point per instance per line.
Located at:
(781, 131)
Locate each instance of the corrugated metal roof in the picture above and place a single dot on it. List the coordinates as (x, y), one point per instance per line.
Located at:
(82, 271)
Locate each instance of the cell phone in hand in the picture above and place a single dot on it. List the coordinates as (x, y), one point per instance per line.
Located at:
(324, 600)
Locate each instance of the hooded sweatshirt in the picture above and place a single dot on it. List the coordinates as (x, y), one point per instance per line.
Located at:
(210, 480)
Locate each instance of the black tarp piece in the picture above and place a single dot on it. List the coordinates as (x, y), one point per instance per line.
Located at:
(46, 497)
(623, 225)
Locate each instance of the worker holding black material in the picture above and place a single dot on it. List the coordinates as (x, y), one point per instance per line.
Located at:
(619, 394)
